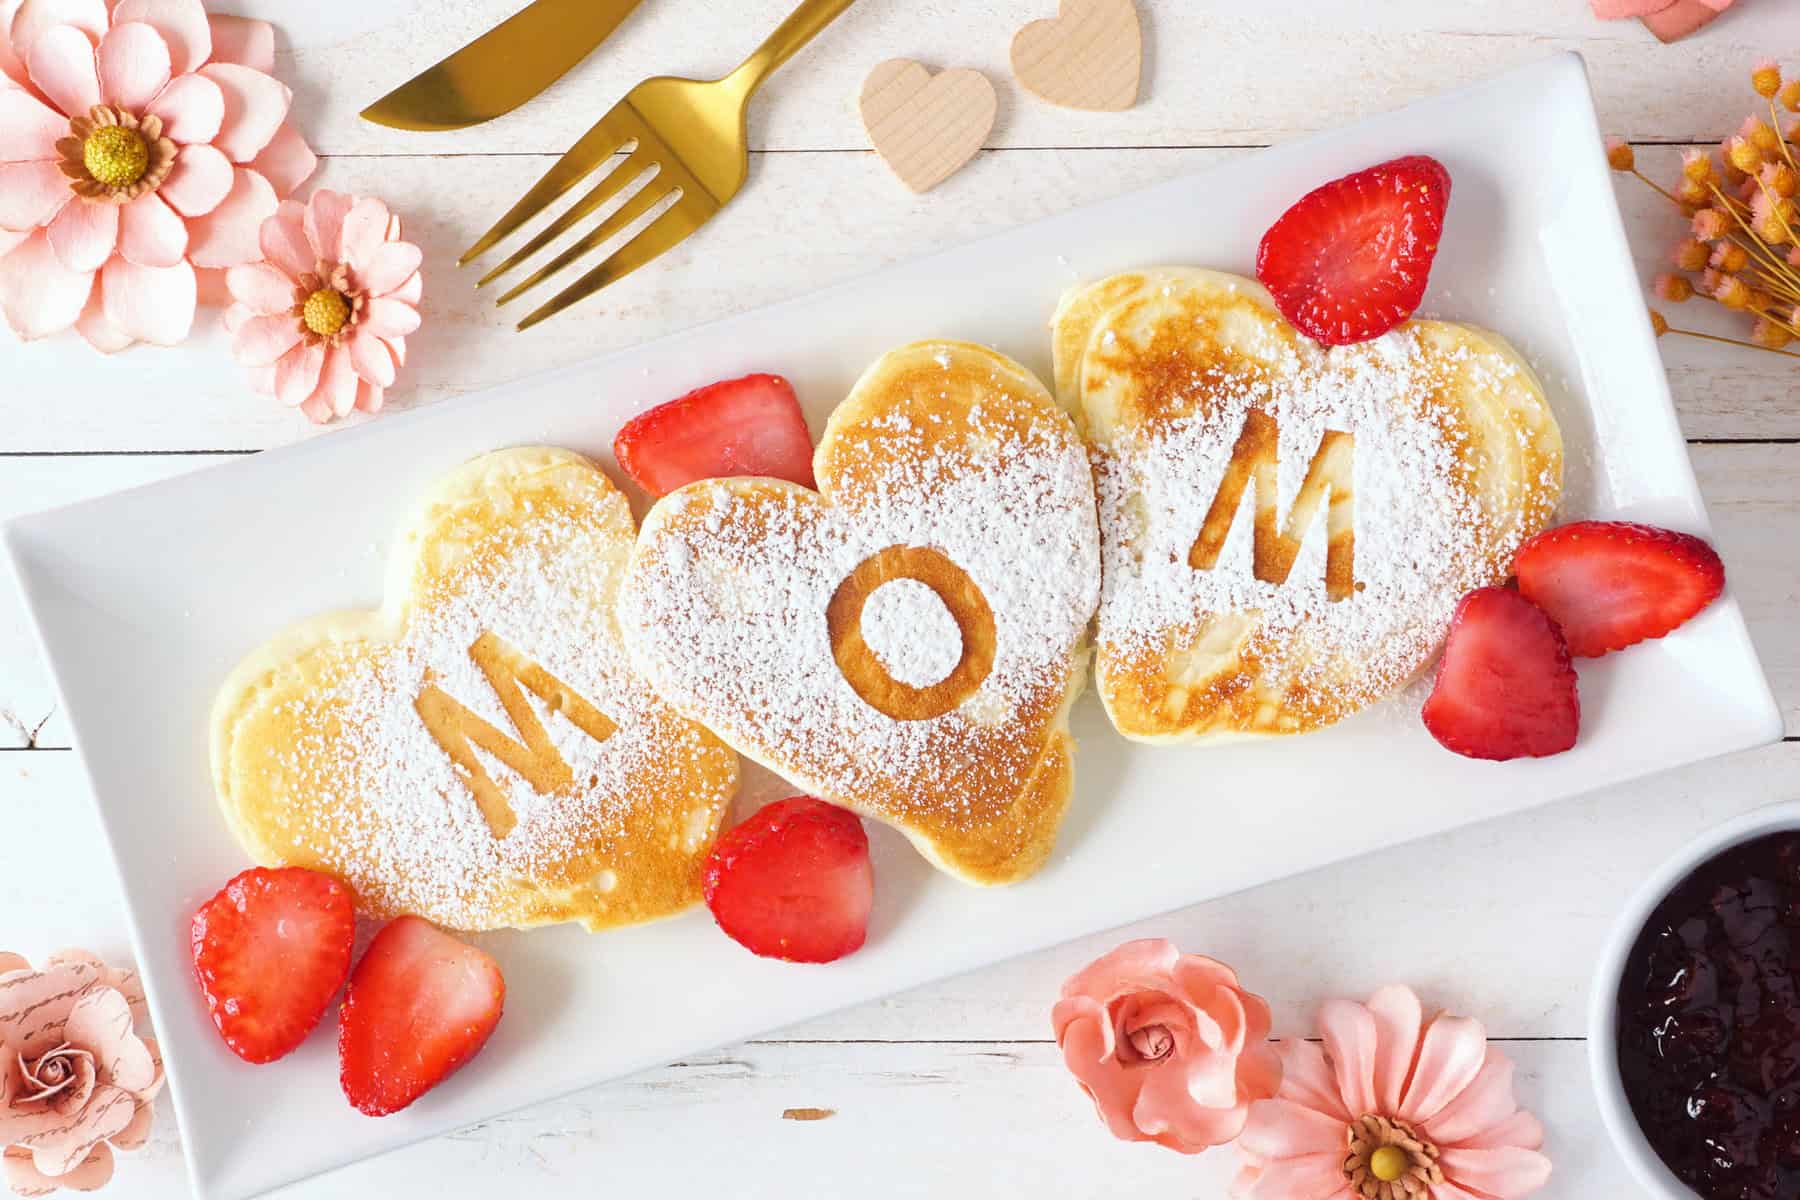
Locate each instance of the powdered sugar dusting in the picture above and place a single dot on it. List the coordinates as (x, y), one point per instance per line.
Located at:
(911, 632)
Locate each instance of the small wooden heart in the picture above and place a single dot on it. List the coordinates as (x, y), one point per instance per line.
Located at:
(1090, 56)
(925, 126)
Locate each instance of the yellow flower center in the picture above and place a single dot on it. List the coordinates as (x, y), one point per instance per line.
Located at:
(1388, 1163)
(326, 312)
(116, 156)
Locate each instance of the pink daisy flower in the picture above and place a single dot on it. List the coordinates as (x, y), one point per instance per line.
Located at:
(323, 321)
(1394, 1107)
(140, 140)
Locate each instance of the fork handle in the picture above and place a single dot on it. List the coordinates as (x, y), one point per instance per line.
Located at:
(801, 27)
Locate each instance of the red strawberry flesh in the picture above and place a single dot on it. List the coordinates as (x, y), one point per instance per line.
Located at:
(420, 1004)
(1505, 688)
(1611, 584)
(748, 426)
(1350, 260)
(793, 882)
(270, 951)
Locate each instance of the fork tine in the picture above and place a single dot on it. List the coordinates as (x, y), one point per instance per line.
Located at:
(615, 182)
(595, 146)
(685, 216)
(645, 199)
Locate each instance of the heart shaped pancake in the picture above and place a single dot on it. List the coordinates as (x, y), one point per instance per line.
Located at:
(1090, 56)
(1288, 527)
(479, 751)
(907, 641)
(925, 126)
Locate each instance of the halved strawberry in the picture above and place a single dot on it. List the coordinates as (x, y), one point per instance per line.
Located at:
(1505, 688)
(793, 882)
(1349, 261)
(748, 426)
(420, 1005)
(270, 951)
(1611, 584)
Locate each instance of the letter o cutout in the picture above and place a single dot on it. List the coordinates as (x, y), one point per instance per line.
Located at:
(861, 668)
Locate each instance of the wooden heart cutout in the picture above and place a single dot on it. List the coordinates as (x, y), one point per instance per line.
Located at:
(925, 126)
(1091, 56)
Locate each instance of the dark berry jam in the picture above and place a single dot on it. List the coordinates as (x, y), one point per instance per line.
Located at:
(1709, 1024)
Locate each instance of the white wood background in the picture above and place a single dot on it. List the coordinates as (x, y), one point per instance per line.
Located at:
(954, 1089)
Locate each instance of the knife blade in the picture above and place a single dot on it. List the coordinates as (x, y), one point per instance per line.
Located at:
(502, 68)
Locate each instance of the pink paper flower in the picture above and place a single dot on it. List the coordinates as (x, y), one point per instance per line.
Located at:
(323, 321)
(1669, 20)
(139, 140)
(76, 1082)
(1394, 1107)
(1168, 1045)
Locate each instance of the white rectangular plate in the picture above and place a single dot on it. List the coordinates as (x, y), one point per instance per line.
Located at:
(145, 600)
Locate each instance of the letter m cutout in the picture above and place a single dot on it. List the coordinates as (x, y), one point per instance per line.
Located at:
(1254, 461)
(536, 757)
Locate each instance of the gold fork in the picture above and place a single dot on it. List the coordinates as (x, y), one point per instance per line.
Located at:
(689, 132)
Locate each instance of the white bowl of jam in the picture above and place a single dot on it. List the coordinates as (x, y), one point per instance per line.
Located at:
(1694, 1017)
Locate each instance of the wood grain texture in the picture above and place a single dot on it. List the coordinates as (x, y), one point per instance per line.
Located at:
(926, 126)
(1089, 56)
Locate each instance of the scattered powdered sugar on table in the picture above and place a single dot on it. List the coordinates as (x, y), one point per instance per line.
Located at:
(911, 632)
(1420, 539)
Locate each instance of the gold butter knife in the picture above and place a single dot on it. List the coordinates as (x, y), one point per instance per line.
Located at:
(502, 68)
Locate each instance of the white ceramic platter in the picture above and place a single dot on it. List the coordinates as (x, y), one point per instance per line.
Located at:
(145, 600)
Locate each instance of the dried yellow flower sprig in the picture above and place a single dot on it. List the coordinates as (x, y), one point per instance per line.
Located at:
(1743, 248)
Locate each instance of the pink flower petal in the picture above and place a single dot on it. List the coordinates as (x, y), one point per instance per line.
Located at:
(394, 229)
(284, 243)
(369, 397)
(1521, 1129)
(365, 232)
(317, 409)
(101, 1022)
(337, 383)
(255, 106)
(231, 233)
(84, 234)
(35, 17)
(199, 181)
(1485, 1103)
(244, 41)
(262, 288)
(287, 161)
(31, 193)
(389, 319)
(182, 24)
(62, 65)
(192, 108)
(11, 240)
(1349, 1033)
(1398, 1019)
(297, 373)
(392, 264)
(100, 333)
(262, 380)
(1307, 1079)
(149, 304)
(1306, 1177)
(372, 359)
(136, 1134)
(38, 295)
(411, 292)
(1506, 1173)
(10, 66)
(1174, 1117)
(1450, 1056)
(150, 234)
(93, 1173)
(1284, 1129)
(236, 315)
(134, 65)
(324, 223)
(28, 127)
(262, 341)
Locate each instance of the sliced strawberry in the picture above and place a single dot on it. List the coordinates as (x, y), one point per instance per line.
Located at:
(1349, 261)
(1611, 584)
(793, 882)
(1505, 688)
(420, 1005)
(270, 951)
(748, 426)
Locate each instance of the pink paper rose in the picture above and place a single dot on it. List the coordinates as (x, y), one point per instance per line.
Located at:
(1394, 1107)
(1667, 19)
(140, 140)
(1168, 1045)
(76, 1082)
(323, 322)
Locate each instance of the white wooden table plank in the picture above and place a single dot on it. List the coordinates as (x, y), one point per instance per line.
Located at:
(842, 213)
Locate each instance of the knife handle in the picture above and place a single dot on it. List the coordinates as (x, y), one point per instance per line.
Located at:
(802, 25)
